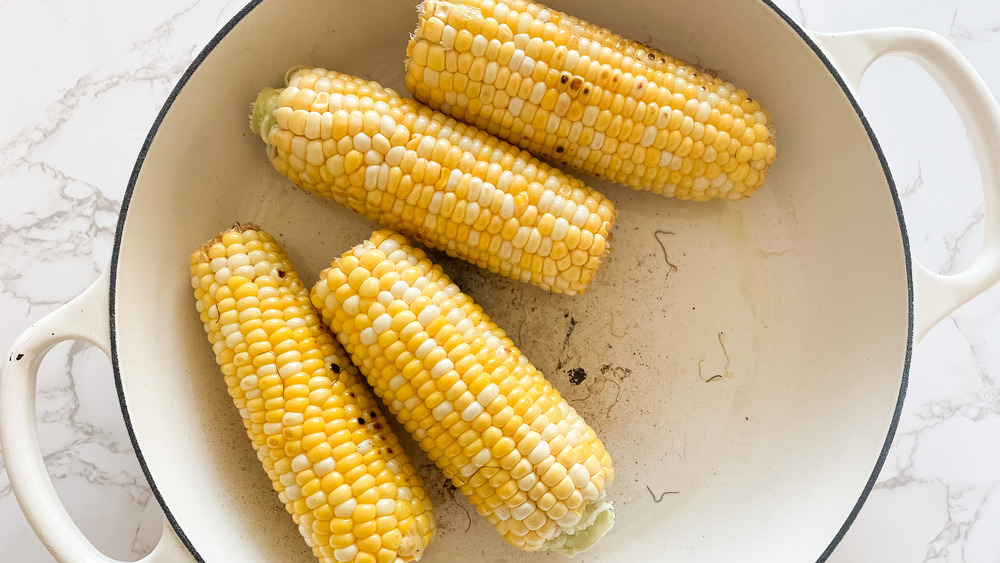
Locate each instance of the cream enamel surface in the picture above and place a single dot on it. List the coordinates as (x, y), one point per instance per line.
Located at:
(782, 299)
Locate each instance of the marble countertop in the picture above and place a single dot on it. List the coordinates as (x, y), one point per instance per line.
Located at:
(83, 82)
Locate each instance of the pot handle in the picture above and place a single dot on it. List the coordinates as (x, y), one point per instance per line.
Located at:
(84, 318)
(935, 295)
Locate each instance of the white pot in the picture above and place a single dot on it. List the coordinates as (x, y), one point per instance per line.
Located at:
(745, 362)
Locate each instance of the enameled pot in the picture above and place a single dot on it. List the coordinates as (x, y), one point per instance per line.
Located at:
(744, 362)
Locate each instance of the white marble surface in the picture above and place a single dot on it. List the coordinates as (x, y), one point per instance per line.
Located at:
(83, 82)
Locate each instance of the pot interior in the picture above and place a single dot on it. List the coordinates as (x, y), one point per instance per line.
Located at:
(742, 361)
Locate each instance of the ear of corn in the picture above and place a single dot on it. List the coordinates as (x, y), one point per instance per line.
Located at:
(583, 96)
(446, 184)
(332, 457)
(503, 435)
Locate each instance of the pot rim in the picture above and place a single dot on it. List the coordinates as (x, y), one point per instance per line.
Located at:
(246, 9)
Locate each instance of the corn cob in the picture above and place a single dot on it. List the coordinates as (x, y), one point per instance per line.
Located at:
(441, 182)
(489, 420)
(336, 464)
(580, 95)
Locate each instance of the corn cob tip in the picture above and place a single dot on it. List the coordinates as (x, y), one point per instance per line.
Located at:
(262, 112)
(237, 227)
(598, 517)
